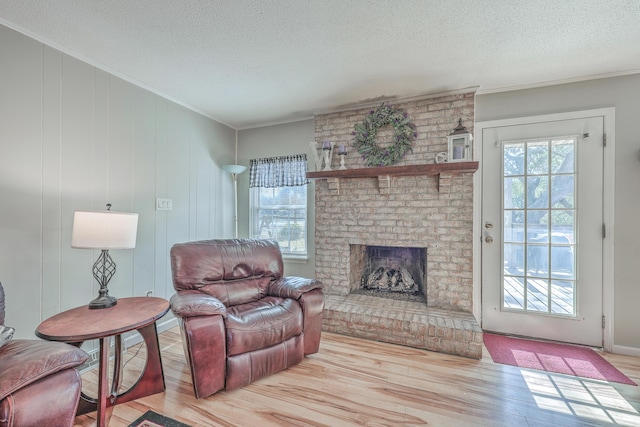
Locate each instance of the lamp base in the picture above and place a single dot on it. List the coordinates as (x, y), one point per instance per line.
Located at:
(103, 270)
(103, 301)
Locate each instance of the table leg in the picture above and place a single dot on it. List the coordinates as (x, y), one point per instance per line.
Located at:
(103, 383)
(151, 379)
(117, 369)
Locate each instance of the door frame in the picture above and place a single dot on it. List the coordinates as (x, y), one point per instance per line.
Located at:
(608, 213)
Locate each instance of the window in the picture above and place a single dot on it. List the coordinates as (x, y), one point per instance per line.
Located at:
(278, 202)
(281, 214)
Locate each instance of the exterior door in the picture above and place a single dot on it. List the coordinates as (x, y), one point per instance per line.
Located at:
(542, 230)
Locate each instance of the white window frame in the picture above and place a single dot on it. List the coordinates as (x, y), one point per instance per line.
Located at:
(254, 207)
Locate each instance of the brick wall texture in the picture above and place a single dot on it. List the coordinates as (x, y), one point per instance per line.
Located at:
(414, 213)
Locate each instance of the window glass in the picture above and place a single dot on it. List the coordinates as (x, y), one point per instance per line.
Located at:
(280, 214)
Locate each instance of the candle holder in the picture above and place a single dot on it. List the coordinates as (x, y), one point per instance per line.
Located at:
(316, 157)
(342, 155)
(328, 154)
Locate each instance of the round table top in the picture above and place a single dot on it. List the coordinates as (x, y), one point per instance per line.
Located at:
(82, 323)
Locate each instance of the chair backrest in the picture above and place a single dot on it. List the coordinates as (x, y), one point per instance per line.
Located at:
(236, 271)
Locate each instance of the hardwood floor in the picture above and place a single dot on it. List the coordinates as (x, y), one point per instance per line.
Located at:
(355, 382)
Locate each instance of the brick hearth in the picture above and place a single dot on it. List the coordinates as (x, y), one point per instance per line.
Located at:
(410, 211)
(403, 322)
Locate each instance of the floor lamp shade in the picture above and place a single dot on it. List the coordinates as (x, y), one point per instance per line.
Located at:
(104, 230)
(234, 169)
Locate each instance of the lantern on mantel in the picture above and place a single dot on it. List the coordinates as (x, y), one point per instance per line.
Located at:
(459, 144)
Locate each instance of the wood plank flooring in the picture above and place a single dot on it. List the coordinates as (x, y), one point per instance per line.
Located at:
(355, 382)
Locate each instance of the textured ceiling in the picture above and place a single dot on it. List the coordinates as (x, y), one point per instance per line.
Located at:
(253, 62)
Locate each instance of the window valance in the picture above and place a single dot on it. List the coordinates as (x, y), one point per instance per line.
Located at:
(283, 171)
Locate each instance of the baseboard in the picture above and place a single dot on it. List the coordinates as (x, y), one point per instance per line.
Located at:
(626, 351)
(92, 361)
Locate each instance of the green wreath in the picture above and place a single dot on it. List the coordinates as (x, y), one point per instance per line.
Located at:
(404, 132)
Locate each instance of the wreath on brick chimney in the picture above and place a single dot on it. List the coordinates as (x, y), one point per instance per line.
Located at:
(404, 132)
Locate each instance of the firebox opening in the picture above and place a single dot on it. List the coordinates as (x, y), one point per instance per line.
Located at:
(391, 272)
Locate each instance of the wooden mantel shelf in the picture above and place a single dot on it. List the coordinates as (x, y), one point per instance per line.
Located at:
(411, 170)
(385, 173)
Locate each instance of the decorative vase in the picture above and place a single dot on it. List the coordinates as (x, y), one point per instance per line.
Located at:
(327, 148)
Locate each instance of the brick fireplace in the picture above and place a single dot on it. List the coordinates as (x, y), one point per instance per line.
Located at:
(432, 212)
(388, 272)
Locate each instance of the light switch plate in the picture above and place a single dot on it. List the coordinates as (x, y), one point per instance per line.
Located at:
(164, 204)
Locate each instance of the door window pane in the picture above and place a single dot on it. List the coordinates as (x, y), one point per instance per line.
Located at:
(513, 259)
(563, 299)
(513, 226)
(563, 221)
(563, 190)
(514, 193)
(562, 261)
(537, 192)
(562, 156)
(514, 159)
(538, 260)
(537, 158)
(539, 211)
(537, 295)
(513, 292)
(537, 226)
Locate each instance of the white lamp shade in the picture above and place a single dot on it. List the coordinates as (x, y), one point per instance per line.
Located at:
(104, 230)
(237, 169)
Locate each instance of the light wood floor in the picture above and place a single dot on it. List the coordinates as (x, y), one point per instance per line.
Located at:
(355, 382)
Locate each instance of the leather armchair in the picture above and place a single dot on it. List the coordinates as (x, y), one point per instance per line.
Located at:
(240, 318)
(39, 385)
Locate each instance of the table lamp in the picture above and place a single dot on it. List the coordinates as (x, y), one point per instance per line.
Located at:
(104, 230)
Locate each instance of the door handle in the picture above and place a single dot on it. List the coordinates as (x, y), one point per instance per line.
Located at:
(488, 239)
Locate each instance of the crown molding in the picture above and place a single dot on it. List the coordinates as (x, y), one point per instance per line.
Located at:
(558, 82)
(282, 122)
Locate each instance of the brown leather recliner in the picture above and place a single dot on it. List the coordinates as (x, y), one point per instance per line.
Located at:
(240, 319)
(39, 385)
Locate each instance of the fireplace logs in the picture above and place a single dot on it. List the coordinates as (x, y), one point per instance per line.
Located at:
(392, 280)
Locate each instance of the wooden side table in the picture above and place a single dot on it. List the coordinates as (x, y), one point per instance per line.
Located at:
(81, 324)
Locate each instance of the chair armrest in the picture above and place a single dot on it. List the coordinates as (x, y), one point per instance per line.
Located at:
(196, 303)
(23, 362)
(293, 287)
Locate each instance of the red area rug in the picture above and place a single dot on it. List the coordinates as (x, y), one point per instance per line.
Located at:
(552, 357)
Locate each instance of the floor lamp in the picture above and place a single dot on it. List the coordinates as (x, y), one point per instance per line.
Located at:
(235, 170)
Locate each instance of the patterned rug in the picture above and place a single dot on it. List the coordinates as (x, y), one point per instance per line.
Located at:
(552, 357)
(153, 419)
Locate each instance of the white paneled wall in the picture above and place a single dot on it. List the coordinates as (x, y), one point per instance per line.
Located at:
(75, 137)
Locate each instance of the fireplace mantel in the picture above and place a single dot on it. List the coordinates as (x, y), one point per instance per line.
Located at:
(385, 173)
(410, 170)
